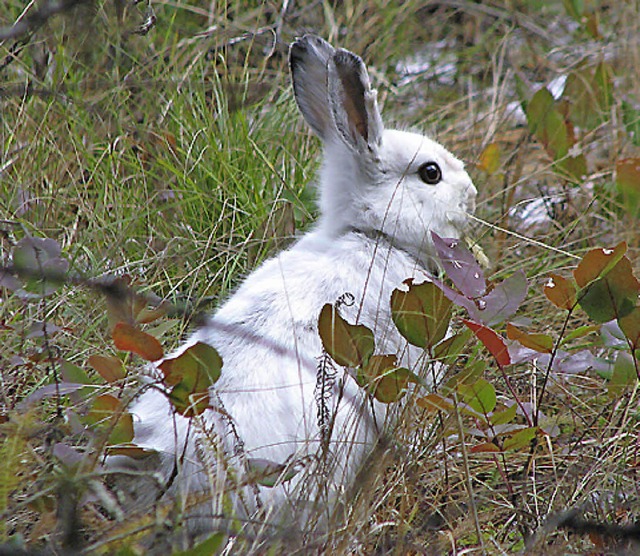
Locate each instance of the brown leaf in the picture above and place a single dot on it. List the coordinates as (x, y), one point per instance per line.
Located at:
(130, 450)
(435, 402)
(129, 338)
(561, 292)
(630, 325)
(597, 263)
(109, 368)
(542, 343)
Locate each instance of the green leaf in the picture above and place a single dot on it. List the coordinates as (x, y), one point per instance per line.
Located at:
(191, 373)
(575, 8)
(472, 373)
(448, 350)
(628, 184)
(556, 134)
(631, 119)
(349, 345)
(102, 413)
(505, 416)
(122, 432)
(589, 95)
(74, 374)
(572, 168)
(490, 159)
(208, 547)
(537, 109)
(188, 402)
(481, 396)
(384, 379)
(548, 124)
(624, 375)
(580, 332)
(521, 439)
(102, 409)
(270, 473)
(542, 343)
(198, 366)
(612, 296)
(422, 313)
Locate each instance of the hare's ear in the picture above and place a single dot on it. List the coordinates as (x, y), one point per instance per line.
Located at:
(353, 102)
(308, 59)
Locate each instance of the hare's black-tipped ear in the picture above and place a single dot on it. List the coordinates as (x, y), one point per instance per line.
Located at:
(308, 59)
(353, 102)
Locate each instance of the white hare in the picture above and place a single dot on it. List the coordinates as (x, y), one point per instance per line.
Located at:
(381, 194)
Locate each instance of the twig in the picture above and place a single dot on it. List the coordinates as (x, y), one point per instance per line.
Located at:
(523, 238)
(518, 19)
(36, 19)
(572, 521)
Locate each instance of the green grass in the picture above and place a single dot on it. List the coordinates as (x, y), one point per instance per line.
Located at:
(178, 158)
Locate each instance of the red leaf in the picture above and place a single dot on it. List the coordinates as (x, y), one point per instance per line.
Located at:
(129, 338)
(489, 447)
(492, 341)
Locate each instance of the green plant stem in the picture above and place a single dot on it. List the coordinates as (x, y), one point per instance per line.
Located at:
(467, 474)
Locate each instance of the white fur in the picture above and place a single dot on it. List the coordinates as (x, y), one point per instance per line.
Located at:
(373, 233)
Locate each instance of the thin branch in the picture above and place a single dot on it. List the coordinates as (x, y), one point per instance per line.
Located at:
(37, 18)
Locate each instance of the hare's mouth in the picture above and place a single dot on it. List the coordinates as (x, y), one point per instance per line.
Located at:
(460, 218)
(469, 206)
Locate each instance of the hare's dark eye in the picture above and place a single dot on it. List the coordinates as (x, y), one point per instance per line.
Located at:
(430, 173)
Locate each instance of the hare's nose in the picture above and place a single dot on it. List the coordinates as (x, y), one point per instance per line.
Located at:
(472, 193)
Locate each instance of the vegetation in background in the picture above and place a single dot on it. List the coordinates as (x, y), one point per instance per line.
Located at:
(151, 155)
